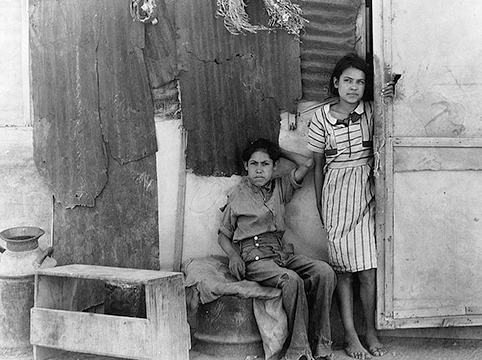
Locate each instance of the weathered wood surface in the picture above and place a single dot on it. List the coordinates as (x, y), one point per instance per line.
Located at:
(162, 335)
(117, 274)
(100, 334)
(430, 138)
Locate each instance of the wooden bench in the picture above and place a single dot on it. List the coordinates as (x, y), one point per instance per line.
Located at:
(57, 325)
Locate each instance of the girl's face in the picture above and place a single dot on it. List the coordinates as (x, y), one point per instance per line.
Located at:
(351, 85)
(260, 168)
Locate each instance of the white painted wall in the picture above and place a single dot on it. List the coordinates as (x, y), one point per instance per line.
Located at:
(24, 197)
(204, 196)
(14, 64)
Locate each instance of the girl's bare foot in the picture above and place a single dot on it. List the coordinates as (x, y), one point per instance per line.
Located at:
(375, 347)
(355, 349)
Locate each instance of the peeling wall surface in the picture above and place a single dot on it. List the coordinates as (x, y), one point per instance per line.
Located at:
(94, 131)
(25, 198)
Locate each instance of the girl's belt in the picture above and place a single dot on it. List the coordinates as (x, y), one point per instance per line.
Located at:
(270, 238)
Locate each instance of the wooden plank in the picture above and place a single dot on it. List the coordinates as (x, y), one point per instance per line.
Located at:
(425, 313)
(384, 182)
(106, 273)
(101, 334)
(181, 206)
(166, 309)
(437, 159)
(477, 310)
(433, 322)
(387, 243)
(437, 142)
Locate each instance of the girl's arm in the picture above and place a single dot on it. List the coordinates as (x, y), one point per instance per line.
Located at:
(303, 163)
(319, 173)
(237, 266)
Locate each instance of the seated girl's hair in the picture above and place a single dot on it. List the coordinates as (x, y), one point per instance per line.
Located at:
(263, 145)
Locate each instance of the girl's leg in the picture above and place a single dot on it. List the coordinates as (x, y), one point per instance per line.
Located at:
(344, 291)
(368, 298)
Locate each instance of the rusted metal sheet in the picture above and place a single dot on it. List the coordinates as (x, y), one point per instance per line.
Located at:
(68, 143)
(121, 230)
(91, 94)
(160, 56)
(232, 87)
(126, 108)
(160, 49)
(94, 121)
(330, 34)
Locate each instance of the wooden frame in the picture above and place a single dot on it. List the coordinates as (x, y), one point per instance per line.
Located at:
(398, 160)
(57, 325)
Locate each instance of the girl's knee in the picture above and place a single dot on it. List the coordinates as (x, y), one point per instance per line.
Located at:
(325, 272)
(289, 279)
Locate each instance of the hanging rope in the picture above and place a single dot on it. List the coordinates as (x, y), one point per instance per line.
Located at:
(144, 11)
(282, 14)
(236, 20)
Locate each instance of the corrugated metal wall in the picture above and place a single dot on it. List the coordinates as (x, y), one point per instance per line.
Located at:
(98, 79)
(232, 87)
(330, 34)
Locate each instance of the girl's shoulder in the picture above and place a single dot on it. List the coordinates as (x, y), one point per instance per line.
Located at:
(369, 108)
(323, 108)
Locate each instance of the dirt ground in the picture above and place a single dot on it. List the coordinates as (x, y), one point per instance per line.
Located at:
(398, 349)
(406, 349)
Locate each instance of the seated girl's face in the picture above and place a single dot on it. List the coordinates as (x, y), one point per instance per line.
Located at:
(260, 168)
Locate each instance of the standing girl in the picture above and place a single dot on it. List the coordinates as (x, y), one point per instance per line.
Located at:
(340, 137)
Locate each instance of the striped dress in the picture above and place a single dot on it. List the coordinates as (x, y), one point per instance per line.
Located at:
(348, 196)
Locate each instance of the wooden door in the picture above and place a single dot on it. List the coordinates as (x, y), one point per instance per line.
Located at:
(429, 188)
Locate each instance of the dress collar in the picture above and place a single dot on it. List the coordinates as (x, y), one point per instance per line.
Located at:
(360, 109)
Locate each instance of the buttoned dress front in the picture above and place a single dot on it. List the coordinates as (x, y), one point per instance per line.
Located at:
(348, 197)
(254, 219)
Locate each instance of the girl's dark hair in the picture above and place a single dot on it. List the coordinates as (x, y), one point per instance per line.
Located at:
(263, 145)
(348, 61)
